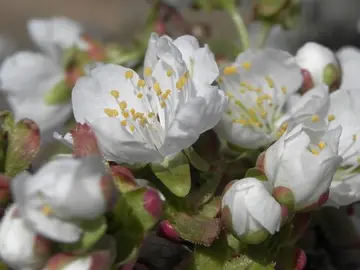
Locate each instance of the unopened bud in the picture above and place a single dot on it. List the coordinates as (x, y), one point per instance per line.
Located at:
(153, 202)
(322, 65)
(123, 178)
(167, 230)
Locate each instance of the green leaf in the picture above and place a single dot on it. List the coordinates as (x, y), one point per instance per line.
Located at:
(196, 160)
(174, 174)
(211, 258)
(128, 222)
(23, 146)
(209, 181)
(94, 230)
(256, 173)
(59, 94)
(245, 263)
(212, 208)
(197, 229)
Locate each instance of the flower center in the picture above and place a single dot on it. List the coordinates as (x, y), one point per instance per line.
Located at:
(146, 120)
(253, 105)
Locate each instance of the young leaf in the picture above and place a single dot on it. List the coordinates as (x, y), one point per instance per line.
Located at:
(175, 174)
(59, 94)
(197, 229)
(23, 146)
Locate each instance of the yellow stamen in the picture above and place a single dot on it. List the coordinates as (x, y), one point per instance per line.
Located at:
(322, 145)
(246, 65)
(169, 73)
(162, 104)
(315, 118)
(125, 114)
(139, 95)
(354, 137)
(123, 105)
(141, 83)
(148, 71)
(124, 123)
(284, 89)
(157, 88)
(270, 82)
(111, 112)
(132, 128)
(331, 117)
(151, 114)
(129, 74)
(230, 70)
(315, 152)
(47, 210)
(115, 93)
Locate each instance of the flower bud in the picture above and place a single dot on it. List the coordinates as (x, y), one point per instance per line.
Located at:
(62, 193)
(94, 261)
(166, 230)
(249, 211)
(301, 165)
(321, 63)
(20, 247)
(123, 178)
(153, 202)
(260, 162)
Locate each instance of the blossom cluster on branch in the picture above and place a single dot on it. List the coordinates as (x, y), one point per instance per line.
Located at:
(229, 158)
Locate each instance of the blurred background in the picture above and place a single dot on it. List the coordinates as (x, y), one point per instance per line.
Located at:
(331, 22)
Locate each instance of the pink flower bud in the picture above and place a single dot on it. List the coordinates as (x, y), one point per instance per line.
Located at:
(153, 203)
(85, 143)
(166, 230)
(300, 259)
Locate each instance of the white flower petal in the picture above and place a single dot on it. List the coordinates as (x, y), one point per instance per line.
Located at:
(18, 242)
(119, 145)
(55, 34)
(263, 207)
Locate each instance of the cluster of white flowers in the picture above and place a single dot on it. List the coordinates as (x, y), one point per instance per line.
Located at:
(52, 205)
(310, 141)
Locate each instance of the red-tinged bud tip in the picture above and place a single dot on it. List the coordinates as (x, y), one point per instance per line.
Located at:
(166, 230)
(123, 178)
(260, 162)
(153, 203)
(323, 198)
(300, 259)
(85, 143)
(32, 144)
(307, 81)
